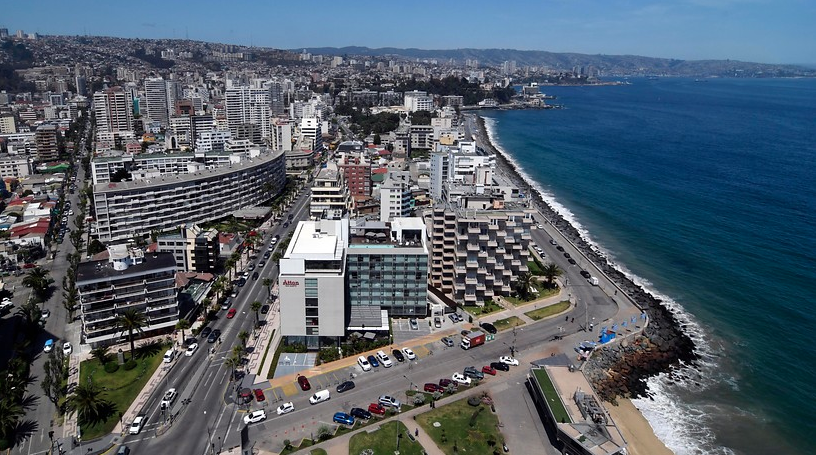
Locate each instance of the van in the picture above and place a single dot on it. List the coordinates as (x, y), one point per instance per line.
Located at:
(593, 281)
(169, 355)
(319, 397)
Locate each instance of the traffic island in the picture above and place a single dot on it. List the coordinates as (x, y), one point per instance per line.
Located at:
(461, 428)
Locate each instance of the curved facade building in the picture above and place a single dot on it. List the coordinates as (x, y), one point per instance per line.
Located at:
(139, 207)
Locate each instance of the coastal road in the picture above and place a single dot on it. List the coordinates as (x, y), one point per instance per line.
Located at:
(212, 413)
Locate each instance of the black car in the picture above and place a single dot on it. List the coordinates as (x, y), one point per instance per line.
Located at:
(360, 413)
(559, 248)
(489, 328)
(571, 261)
(267, 254)
(265, 309)
(500, 366)
(473, 373)
(214, 336)
(345, 386)
(585, 274)
(205, 332)
(255, 276)
(398, 355)
(567, 255)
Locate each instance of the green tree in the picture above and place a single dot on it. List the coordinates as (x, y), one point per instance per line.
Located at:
(243, 335)
(256, 307)
(523, 283)
(550, 271)
(232, 362)
(101, 354)
(39, 282)
(131, 321)
(268, 282)
(182, 325)
(95, 247)
(31, 314)
(87, 401)
(53, 376)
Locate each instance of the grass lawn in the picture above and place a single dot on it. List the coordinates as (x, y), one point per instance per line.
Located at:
(489, 307)
(121, 387)
(318, 452)
(549, 310)
(455, 429)
(535, 269)
(384, 441)
(556, 406)
(508, 323)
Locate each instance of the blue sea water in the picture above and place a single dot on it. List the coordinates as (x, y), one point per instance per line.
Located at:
(704, 192)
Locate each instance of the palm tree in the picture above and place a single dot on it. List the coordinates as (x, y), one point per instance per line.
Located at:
(102, 354)
(232, 363)
(31, 314)
(131, 321)
(217, 287)
(10, 413)
(243, 336)
(88, 401)
(550, 271)
(256, 307)
(523, 283)
(39, 281)
(268, 282)
(182, 325)
(230, 265)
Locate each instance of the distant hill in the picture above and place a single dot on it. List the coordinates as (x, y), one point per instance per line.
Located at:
(606, 64)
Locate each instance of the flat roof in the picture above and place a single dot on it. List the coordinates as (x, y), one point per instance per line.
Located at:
(311, 244)
(103, 270)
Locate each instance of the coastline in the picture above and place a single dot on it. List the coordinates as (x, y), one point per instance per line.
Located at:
(663, 348)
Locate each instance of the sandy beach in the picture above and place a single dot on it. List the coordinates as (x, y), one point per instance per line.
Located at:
(636, 429)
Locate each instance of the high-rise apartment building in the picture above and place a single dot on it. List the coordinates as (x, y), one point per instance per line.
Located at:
(329, 198)
(47, 146)
(249, 105)
(395, 196)
(157, 105)
(114, 110)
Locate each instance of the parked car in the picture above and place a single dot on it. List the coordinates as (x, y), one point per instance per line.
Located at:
(376, 408)
(205, 332)
(387, 400)
(384, 359)
(445, 382)
(286, 408)
(49, 345)
(67, 349)
(585, 274)
(123, 450)
(137, 424)
(343, 418)
(571, 261)
(507, 360)
(345, 386)
(559, 248)
(460, 378)
(473, 373)
(255, 417)
(303, 381)
(191, 349)
(409, 353)
(437, 322)
(267, 254)
(373, 361)
(259, 395)
(487, 369)
(360, 413)
(414, 324)
(447, 341)
(231, 313)
(431, 387)
(265, 309)
(261, 264)
(488, 327)
(500, 366)
(364, 364)
(398, 355)
(45, 313)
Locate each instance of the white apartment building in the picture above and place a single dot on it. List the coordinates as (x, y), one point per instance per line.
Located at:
(139, 207)
(7, 124)
(311, 133)
(156, 103)
(312, 282)
(249, 105)
(395, 196)
(16, 166)
(417, 101)
(477, 254)
(329, 197)
(212, 141)
(282, 135)
(465, 164)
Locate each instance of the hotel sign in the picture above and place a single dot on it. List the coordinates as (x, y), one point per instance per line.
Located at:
(291, 283)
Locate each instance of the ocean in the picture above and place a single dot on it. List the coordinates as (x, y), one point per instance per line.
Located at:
(704, 193)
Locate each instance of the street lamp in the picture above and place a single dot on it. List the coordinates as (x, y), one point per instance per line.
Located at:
(209, 433)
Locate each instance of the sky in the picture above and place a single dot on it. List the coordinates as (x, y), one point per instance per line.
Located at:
(765, 31)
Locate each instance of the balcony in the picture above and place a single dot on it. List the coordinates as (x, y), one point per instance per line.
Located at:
(474, 230)
(473, 247)
(471, 280)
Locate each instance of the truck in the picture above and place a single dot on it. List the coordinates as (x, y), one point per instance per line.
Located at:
(593, 281)
(472, 339)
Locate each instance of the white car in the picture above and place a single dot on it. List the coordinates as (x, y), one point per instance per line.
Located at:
(255, 417)
(168, 398)
(459, 378)
(191, 349)
(67, 349)
(409, 354)
(363, 363)
(286, 408)
(507, 360)
(136, 426)
(384, 359)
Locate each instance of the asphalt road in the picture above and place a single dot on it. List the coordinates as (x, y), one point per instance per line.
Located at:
(57, 327)
(212, 413)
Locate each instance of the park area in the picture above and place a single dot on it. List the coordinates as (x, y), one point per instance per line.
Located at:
(389, 438)
(459, 427)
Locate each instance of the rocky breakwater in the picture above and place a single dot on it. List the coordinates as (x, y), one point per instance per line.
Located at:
(617, 370)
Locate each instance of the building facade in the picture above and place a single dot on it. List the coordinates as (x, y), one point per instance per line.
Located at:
(194, 249)
(329, 198)
(127, 280)
(139, 207)
(47, 146)
(477, 254)
(396, 197)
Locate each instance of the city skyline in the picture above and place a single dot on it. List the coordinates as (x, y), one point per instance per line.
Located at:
(748, 30)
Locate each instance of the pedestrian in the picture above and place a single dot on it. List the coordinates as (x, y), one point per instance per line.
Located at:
(416, 432)
(573, 320)
(566, 319)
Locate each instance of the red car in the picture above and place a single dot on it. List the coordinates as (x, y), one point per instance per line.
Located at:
(259, 395)
(303, 381)
(445, 382)
(431, 387)
(487, 369)
(231, 313)
(376, 408)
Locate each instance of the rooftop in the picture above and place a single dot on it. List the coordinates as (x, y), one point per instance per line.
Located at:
(104, 269)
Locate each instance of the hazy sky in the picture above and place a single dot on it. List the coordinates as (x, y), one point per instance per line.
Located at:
(768, 31)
